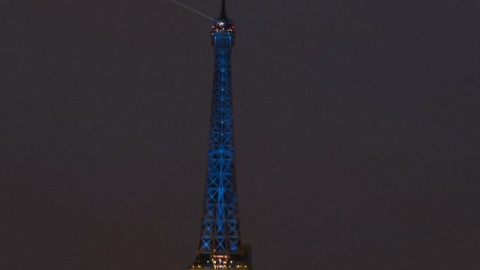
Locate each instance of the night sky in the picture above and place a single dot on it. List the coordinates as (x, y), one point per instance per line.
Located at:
(357, 133)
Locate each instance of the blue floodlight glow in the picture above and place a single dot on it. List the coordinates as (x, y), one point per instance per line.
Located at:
(220, 231)
(220, 205)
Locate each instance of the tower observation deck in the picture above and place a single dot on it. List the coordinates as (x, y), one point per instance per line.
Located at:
(220, 246)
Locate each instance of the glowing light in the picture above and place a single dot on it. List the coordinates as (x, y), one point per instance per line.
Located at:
(220, 235)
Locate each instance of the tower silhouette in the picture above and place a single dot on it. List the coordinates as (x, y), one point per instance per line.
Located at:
(220, 246)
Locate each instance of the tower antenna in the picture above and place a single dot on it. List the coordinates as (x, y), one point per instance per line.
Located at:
(223, 14)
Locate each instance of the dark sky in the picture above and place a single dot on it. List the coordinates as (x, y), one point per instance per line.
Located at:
(357, 133)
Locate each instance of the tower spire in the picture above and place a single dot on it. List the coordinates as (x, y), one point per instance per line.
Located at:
(223, 14)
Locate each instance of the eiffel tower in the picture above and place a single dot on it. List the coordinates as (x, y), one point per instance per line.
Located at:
(220, 246)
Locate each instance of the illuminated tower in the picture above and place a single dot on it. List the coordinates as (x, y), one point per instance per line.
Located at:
(220, 246)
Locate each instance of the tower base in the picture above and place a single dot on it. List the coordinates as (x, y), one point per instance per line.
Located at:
(219, 261)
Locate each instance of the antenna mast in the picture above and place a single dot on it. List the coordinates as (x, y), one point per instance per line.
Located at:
(223, 14)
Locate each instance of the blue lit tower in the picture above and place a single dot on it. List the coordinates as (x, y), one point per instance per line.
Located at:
(220, 246)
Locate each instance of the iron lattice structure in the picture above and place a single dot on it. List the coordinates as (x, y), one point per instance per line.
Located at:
(220, 246)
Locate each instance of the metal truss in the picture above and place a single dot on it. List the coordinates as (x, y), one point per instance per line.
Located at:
(220, 245)
(220, 229)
